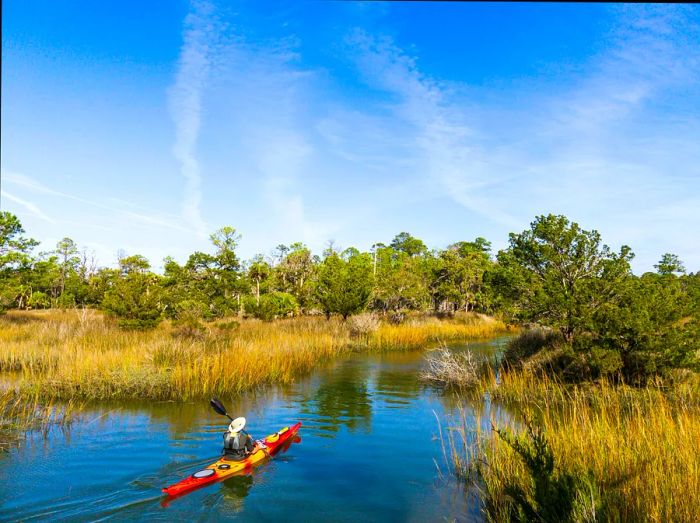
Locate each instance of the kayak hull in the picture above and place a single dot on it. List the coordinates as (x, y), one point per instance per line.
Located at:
(223, 468)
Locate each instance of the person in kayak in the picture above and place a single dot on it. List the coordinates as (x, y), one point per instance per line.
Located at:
(238, 444)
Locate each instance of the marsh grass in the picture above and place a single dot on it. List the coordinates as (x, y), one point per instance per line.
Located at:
(82, 354)
(21, 414)
(618, 453)
(419, 332)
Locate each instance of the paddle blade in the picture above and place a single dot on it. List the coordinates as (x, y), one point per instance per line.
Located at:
(218, 406)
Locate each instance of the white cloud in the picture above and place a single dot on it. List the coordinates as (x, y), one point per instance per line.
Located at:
(608, 147)
(448, 149)
(185, 96)
(118, 214)
(31, 207)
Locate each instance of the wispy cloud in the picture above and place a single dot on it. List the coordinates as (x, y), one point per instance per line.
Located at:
(200, 34)
(605, 146)
(262, 94)
(119, 214)
(31, 207)
(448, 151)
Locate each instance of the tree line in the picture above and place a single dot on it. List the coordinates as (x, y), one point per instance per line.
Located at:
(554, 274)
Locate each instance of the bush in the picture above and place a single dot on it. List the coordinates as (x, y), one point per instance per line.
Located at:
(66, 301)
(529, 343)
(39, 300)
(138, 324)
(554, 494)
(188, 318)
(228, 325)
(135, 300)
(362, 324)
(457, 369)
(273, 305)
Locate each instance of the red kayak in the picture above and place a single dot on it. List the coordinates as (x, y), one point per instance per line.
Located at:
(224, 468)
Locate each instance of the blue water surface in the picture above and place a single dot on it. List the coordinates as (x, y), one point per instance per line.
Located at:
(371, 449)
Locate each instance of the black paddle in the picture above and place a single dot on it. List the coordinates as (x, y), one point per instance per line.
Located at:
(219, 408)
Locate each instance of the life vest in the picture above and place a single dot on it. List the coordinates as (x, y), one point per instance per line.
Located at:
(235, 444)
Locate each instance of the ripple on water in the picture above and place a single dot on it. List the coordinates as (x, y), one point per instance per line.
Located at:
(368, 451)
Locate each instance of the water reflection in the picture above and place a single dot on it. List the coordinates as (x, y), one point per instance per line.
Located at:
(397, 387)
(342, 398)
(331, 475)
(232, 493)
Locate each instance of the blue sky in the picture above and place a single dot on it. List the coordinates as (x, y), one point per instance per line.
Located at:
(146, 128)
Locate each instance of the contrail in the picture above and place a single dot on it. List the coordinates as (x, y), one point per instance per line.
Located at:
(185, 100)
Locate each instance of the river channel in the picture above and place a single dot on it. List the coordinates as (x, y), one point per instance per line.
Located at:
(370, 450)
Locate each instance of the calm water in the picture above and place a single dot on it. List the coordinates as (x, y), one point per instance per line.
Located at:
(370, 451)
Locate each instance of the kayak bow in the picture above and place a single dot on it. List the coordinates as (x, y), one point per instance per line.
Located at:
(224, 468)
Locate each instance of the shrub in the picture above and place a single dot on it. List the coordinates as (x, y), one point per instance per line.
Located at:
(554, 494)
(135, 300)
(459, 369)
(273, 305)
(228, 325)
(529, 343)
(362, 324)
(39, 300)
(65, 301)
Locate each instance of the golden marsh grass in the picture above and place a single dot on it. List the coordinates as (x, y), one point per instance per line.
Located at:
(82, 354)
(640, 445)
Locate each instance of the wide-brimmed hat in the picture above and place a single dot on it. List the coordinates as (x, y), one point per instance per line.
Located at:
(237, 425)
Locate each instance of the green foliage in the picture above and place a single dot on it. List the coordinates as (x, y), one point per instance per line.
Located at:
(529, 343)
(259, 272)
(653, 327)
(604, 320)
(224, 266)
(295, 272)
(670, 264)
(613, 323)
(457, 277)
(552, 494)
(14, 248)
(135, 296)
(68, 260)
(559, 274)
(39, 300)
(344, 284)
(231, 325)
(188, 317)
(213, 280)
(401, 281)
(404, 242)
(65, 301)
(272, 306)
(15, 262)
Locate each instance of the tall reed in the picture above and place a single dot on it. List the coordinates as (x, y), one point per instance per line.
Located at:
(22, 413)
(632, 452)
(82, 354)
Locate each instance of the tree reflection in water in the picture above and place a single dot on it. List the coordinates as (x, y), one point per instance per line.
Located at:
(342, 398)
(234, 490)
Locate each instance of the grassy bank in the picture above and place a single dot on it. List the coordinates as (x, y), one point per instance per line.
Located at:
(82, 354)
(597, 452)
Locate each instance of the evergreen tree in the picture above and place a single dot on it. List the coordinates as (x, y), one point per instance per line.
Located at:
(344, 283)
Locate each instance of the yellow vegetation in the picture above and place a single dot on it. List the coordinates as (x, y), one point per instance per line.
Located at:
(412, 334)
(641, 446)
(83, 354)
